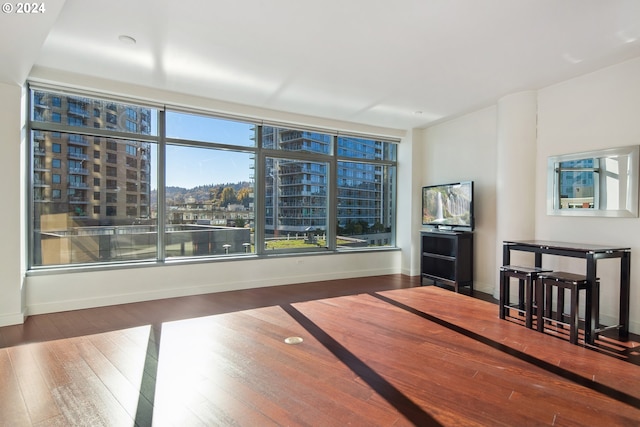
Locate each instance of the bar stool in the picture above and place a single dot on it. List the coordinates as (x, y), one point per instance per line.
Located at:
(575, 283)
(527, 280)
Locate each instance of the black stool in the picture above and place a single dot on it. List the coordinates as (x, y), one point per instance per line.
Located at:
(574, 283)
(527, 279)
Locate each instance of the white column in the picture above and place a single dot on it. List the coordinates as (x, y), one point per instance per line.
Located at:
(408, 201)
(516, 179)
(11, 215)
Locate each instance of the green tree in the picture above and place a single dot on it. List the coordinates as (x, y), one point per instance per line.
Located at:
(377, 227)
(349, 228)
(357, 228)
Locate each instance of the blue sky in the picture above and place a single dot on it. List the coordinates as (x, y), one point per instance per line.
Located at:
(189, 167)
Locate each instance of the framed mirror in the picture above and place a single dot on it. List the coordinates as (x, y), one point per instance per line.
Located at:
(594, 183)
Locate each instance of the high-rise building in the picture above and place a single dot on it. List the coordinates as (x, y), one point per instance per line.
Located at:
(297, 190)
(93, 180)
(363, 193)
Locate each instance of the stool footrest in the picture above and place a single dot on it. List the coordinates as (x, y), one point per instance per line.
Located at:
(606, 328)
(551, 319)
(556, 321)
(515, 307)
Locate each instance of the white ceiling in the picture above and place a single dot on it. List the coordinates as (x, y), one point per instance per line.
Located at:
(391, 63)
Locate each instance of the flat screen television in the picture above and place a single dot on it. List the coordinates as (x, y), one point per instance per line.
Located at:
(448, 206)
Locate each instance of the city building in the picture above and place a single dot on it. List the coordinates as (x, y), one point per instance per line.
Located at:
(85, 184)
(577, 179)
(296, 191)
(99, 181)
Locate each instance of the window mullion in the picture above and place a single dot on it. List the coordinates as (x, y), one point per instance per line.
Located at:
(103, 133)
(161, 187)
(259, 195)
(332, 208)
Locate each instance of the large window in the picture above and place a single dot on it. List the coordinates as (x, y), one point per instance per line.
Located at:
(296, 204)
(209, 202)
(366, 192)
(80, 214)
(209, 190)
(114, 182)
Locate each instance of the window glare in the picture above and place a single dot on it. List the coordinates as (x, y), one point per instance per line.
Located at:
(295, 140)
(362, 148)
(78, 111)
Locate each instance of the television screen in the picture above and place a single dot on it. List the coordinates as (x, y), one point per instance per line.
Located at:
(448, 206)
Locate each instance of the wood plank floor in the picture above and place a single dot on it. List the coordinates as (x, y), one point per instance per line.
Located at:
(377, 351)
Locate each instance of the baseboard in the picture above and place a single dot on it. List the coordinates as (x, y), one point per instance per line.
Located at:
(106, 300)
(12, 319)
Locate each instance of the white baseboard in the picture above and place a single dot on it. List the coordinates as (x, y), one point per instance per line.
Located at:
(106, 300)
(12, 319)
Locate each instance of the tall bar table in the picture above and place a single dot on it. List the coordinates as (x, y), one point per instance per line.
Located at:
(592, 253)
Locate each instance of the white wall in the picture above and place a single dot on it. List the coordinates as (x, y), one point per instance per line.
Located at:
(465, 149)
(59, 292)
(594, 111)
(11, 215)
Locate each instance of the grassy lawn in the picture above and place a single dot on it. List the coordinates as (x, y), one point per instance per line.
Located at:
(297, 243)
(292, 243)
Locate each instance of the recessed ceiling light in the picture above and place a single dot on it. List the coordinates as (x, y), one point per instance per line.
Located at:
(126, 39)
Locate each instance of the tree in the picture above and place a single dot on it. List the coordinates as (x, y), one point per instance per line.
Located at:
(357, 228)
(349, 228)
(377, 227)
(228, 196)
(216, 193)
(244, 196)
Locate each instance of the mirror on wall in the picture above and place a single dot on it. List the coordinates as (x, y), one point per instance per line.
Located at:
(594, 183)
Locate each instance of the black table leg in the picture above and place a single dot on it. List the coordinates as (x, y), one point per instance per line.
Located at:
(625, 284)
(591, 321)
(506, 255)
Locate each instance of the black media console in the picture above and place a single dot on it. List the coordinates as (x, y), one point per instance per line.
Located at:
(447, 258)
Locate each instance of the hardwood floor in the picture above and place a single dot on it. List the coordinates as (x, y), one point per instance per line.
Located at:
(377, 351)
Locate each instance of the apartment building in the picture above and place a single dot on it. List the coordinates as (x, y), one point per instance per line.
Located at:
(297, 195)
(96, 180)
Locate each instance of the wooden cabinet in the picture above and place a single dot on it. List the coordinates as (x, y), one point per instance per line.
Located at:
(447, 258)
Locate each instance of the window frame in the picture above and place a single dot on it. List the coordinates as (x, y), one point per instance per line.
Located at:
(161, 141)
